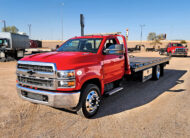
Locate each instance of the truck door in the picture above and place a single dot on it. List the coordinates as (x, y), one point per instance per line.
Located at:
(113, 65)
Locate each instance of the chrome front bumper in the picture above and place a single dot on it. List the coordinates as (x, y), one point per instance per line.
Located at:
(58, 100)
(179, 53)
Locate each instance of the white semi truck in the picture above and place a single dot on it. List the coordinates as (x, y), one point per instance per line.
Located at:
(12, 46)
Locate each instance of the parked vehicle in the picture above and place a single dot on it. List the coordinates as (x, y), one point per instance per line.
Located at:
(150, 49)
(35, 44)
(174, 49)
(162, 51)
(36, 47)
(136, 48)
(12, 46)
(82, 71)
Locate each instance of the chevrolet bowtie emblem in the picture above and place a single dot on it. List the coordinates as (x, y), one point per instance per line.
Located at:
(31, 72)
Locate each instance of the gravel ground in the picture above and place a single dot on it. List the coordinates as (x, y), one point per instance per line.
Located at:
(151, 109)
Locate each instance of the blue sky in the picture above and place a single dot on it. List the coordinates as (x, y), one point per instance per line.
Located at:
(161, 16)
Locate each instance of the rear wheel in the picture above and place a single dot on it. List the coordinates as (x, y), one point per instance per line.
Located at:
(90, 101)
(156, 72)
(2, 59)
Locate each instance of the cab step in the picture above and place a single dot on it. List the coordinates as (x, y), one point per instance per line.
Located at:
(114, 91)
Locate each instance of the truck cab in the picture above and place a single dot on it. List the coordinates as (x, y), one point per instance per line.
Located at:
(176, 49)
(81, 71)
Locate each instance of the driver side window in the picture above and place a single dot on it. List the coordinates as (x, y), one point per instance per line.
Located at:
(110, 42)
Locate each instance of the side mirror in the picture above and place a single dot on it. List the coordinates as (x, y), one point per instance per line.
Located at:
(116, 49)
(57, 46)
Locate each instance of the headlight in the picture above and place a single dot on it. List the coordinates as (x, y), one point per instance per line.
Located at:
(66, 79)
(66, 84)
(66, 74)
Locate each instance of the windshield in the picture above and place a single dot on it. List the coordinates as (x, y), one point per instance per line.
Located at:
(177, 44)
(1, 41)
(81, 45)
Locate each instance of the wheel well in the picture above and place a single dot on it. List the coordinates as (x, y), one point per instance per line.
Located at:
(95, 81)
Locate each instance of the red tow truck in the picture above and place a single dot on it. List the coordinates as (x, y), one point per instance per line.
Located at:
(81, 71)
(175, 49)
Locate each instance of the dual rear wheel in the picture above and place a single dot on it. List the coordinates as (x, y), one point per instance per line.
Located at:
(158, 71)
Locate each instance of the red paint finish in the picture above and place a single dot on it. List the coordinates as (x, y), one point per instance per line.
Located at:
(171, 48)
(105, 68)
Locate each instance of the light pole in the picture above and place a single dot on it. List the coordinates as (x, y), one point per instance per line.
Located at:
(29, 29)
(62, 4)
(82, 24)
(4, 25)
(142, 25)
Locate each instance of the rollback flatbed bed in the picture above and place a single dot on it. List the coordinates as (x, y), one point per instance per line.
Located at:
(146, 68)
(141, 63)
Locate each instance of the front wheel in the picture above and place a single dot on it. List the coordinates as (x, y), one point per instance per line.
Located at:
(169, 54)
(90, 101)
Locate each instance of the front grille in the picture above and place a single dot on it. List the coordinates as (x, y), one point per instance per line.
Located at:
(35, 67)
(35, 82)
(180, 50)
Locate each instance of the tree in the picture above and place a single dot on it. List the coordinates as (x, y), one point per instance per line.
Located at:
(155, 42)
(162, 36)
(155, 38)
(183, 42)
(151, 36)
(11, 29)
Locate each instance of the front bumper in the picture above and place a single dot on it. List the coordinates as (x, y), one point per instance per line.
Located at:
(58, 100)
(179, 53)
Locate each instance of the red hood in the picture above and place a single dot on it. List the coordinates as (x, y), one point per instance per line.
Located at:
(65, 60)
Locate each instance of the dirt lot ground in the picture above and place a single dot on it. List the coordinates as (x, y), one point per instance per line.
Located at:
(151, 109)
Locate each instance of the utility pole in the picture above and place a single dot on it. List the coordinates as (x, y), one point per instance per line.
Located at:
(4, 25)
(82, 24)
(29, 29)
(127, 34)
(142, 25)
(62, 4)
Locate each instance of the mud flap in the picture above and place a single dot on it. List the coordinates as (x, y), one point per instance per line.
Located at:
(20, 54)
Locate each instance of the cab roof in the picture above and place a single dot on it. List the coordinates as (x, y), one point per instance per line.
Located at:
(99, 35)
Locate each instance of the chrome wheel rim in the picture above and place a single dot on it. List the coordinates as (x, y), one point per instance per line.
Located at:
(158, 72)
(92, 101)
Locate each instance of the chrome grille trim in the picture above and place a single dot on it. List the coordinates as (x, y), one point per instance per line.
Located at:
(33, 80)
(37, 73)
(37, 82)
(31, 65)
(180, 50)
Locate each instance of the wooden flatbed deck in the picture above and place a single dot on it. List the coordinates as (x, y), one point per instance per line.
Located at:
(141, 63)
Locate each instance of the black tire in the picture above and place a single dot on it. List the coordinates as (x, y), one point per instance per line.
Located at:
(169, 54)
(156, 72)
(3, 60)
(90, 92)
